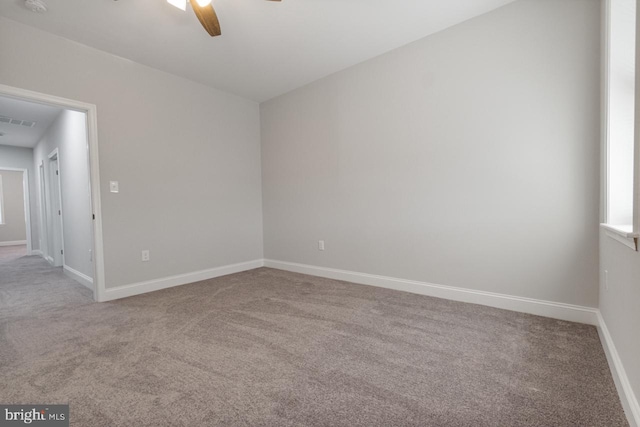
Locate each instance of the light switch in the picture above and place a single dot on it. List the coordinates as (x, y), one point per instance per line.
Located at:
(113, 186)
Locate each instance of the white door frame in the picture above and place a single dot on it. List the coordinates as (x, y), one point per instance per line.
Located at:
(59, 222)
(94, 171)
(27, 202)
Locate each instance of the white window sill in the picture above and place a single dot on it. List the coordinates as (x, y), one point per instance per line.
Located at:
(622, 234)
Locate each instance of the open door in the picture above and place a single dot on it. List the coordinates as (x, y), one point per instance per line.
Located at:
(54, 223)
(44, 229)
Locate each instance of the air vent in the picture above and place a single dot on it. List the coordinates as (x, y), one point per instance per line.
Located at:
(26, 123)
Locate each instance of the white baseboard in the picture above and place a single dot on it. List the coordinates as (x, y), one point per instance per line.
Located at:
(78, 277)
(627, 396)
(181, 279)
(555, 310)
(14, 243)
(37, 252)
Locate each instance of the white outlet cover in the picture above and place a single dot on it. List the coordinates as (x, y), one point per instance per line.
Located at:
(114, 186)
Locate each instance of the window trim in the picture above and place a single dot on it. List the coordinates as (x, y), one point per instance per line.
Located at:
(629, 238)
(626, 237)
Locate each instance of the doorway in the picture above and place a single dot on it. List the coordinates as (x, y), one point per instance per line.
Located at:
(26, 211)
(56, 210)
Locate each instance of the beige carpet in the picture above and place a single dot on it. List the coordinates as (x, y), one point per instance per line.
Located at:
(270, 348)
(9, 253)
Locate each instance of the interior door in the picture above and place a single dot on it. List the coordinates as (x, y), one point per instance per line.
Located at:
(56, 246)
(44, 213)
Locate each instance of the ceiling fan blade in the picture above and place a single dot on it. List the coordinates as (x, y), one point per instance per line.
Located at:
(207, 17)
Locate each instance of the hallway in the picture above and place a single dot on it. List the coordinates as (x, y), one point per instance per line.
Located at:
(30, 273)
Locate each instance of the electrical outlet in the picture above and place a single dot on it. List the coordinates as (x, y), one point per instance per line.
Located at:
(606, 280)
(114, 187)
(321, 245)
(145, 255)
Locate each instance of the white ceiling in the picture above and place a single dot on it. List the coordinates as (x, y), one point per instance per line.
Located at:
(266, 48)
(22, 136)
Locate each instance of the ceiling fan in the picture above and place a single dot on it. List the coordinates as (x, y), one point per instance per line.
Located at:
(205, 13)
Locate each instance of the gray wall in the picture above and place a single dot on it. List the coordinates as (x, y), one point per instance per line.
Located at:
(468, 158)
(68, 133)
(13, 227)
(619, 303)
(22, 158)
(187, 156)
